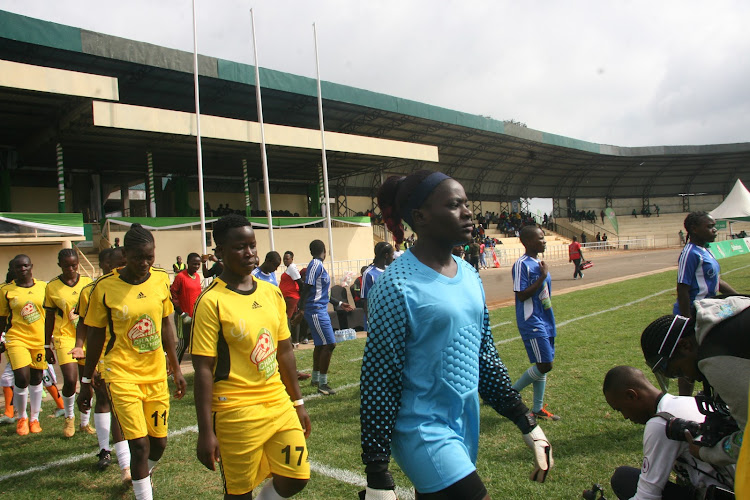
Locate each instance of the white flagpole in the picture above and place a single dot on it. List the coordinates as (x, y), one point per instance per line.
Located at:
(201, 201)
(263, 158)
(323, 154)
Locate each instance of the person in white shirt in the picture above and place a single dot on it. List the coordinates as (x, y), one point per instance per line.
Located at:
(627, 391)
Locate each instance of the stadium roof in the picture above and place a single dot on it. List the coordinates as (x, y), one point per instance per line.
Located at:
(493, 159)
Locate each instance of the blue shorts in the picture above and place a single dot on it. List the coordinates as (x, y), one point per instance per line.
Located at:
(320, 327)
(540, 349)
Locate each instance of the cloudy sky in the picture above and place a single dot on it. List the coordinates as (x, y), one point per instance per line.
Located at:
(626, 72)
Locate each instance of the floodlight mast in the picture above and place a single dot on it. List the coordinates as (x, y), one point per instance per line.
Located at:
(201, 199)
(323, 154)
(263, 157)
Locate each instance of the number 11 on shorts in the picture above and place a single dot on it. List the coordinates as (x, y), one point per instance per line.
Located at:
(163, 417)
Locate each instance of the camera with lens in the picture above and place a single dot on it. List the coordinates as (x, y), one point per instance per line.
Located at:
(718, 424)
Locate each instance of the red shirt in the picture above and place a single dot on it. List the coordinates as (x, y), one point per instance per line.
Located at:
(185, 291)
(574, 250)
(289, 287)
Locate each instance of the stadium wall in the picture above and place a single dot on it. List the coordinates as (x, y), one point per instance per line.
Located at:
(37, 199)
(43, 258)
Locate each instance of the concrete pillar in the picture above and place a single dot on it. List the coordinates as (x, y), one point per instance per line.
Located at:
(96, 197)
(150, 185)
(60, 180)
(125, 199)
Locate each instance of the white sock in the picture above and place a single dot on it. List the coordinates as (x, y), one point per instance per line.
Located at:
(142, 489)
(269, 492)
(151, 465)
(35, 398)
(69, 403)
(102, 422)
(20, 397)
(122, 450)
(85, 417)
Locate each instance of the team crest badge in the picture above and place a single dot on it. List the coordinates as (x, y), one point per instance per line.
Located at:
(264, 354)
(144, 336)
(30, 313)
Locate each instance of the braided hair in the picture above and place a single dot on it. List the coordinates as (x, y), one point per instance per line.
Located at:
(393, 197)
(65, 253)
(136, 236)
(382, 249)
(692, 220)
(653, 337)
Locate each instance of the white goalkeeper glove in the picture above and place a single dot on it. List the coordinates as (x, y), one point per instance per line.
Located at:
(543, 461)
(380, 485)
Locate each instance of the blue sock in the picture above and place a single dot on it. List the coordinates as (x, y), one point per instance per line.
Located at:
(323, 380)
(531, 375)
(539, 386)
(315, 376)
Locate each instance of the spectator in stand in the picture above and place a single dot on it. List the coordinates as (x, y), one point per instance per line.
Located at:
(117, 243)
(267, 270)
(604, 239)
(656, 209)
(179, 265)
(598, 237)
(474, 250)
(635, 214)
(682, 237)
(185, 290)
(583, 238)
(575, 255)
(601, 214)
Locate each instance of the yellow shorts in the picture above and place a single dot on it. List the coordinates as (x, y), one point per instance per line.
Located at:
(21, 356)
(141, 409)
(257, 440)
(63, 345)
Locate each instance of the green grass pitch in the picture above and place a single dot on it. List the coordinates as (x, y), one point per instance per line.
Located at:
(588, 443)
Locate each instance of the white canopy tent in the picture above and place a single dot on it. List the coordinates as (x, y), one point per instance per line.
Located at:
(736, 206)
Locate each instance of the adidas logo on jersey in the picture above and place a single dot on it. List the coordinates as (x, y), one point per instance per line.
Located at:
(74, 292)
(141, 295)
(256, 305)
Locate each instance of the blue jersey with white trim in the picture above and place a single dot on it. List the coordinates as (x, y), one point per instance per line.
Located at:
(319, 281)
(268, 278)
(429, 355)
(533, 315)
(371, 274)
(697, 268)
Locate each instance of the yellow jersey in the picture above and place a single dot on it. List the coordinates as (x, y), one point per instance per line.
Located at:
(24, 308)
(61, 300)
(132, 316)
(242, 331)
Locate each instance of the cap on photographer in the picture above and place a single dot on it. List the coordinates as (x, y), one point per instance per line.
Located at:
(627, 391)
(713, 348)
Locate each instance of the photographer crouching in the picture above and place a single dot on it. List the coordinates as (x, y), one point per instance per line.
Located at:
(627, 391)
(713, 348)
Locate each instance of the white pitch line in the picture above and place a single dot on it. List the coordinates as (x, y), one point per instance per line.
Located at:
(78, 458)
(349, 477)
(597, 313)
(341, 388)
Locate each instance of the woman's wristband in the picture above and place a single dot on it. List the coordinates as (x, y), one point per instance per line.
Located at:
(85, 380)
(47, 346)
(298, 402)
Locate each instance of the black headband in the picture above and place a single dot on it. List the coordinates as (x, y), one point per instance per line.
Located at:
(420, 194)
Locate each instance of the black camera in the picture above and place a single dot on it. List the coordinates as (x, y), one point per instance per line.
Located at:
(718, 424)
